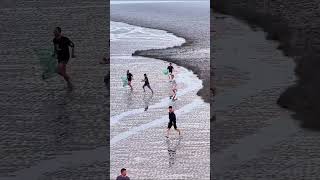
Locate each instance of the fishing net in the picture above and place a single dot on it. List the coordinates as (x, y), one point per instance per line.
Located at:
(165, 71)
(47, 62)
(124, 81)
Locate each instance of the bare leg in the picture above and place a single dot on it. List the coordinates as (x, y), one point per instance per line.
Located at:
(174, 95)
(129, 83)
(178, 131)
(150, 88)
(143, 88)
(62, 70)
(168, 133)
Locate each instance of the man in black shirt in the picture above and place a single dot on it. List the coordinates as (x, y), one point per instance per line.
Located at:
(61, 49)
(129, 78)
(170, 69)
(146, 83)
(172, 121)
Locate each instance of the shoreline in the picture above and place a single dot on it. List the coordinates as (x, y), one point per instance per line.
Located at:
(165, 59)
(300, 98)
(157, 54)
(168, 55)
(251, 74)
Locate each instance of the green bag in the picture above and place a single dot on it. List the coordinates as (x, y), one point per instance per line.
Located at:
(124, 81)
(165, 71)
(47, 62)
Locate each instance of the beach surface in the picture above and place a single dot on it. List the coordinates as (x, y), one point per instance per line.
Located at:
(47, 132)
(190, 20)
(139, 119)
(253, 138)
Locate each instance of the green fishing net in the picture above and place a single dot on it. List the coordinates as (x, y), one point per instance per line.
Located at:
(165, 71)
(124, 81)
(48, 63)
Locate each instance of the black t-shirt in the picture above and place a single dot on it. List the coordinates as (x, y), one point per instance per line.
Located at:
(170, 68)
(62, 47)
(146, 81)
(123, 178)
(129, 76)
(172, 116)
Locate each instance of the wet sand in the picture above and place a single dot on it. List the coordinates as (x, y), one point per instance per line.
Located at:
(41, 122)
(138, 140)
(176, 18)
(253, 137)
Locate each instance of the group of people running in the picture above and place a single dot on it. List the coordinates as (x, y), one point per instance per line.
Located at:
(145, 80)
(147, 83)
(172, 116)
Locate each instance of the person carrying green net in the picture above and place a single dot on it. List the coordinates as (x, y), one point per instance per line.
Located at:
(170, 71)
(61, 52)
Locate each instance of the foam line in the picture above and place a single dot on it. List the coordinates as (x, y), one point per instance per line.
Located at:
(186, 77)
(185, 109)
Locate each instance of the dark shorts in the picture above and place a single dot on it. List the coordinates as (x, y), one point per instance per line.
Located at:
(64, 61)
(148, 85)
(172, 123)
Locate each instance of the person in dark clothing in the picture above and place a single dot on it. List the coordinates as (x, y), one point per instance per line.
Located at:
(123, 175)
(61, 51)
(146, 83)
(172, 121)
(170, 69)
(129, 78)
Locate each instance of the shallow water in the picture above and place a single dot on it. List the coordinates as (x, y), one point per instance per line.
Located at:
(137, 136)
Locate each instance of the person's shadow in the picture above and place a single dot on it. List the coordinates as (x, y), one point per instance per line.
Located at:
(62, 123)
(147, 99)
(172, 150)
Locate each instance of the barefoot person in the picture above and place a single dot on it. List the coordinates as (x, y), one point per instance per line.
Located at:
(123, 175)
(129, 78)
(172, 121)
(170, 69)
(61, 49)
(174, 89)
(146, 83)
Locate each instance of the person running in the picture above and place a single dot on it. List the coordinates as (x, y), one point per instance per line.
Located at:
(174, 89)
(172, 121)
(170, 69)
(61, 49)
(146, 83)
(123, 175)
(129, 78)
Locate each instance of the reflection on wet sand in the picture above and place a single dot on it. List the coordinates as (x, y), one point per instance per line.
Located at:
(172, 150)
(63, 128)
(129, 95)
(147, 99)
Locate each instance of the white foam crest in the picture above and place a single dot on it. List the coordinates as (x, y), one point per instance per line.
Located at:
(121, 31)
(185, 109)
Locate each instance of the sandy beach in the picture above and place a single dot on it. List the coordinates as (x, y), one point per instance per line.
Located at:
(139, 119)
(43, 126)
